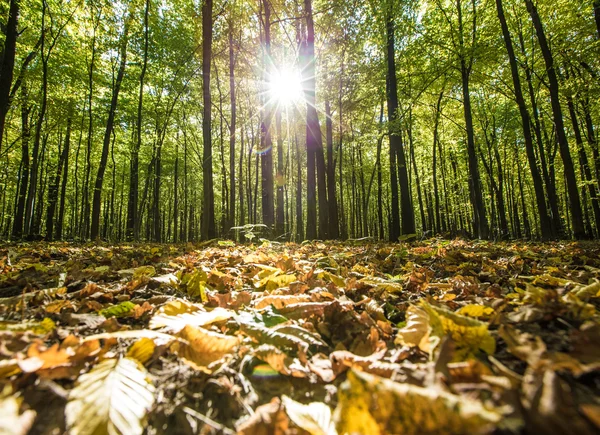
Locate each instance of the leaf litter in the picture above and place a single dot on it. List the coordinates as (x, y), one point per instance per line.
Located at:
(327, 338)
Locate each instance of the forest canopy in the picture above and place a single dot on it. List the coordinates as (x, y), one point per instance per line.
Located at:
(183, 120)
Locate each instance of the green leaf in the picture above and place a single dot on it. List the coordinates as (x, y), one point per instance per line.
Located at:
(121, 310)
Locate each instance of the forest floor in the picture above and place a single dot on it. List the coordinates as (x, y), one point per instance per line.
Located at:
(322, 338)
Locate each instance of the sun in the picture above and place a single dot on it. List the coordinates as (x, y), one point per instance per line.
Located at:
(285, 86)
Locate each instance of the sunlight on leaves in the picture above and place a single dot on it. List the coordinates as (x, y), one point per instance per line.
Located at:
(113, 398)
(372, 405)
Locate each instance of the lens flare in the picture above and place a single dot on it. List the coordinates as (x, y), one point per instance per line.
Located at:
(285, 86)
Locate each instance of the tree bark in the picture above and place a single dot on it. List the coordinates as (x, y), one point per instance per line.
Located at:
(132, 231)
(8, 63)
(208, 196)
(407, 227)
(314, 140)
(97, 198)
(545, 221)
(479, 212)
(334, 231)
(563, 144)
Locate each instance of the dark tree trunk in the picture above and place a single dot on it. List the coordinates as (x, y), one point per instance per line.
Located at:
(63, 190)
(314, 140)
(97, 198)
(545, 221)
(479, 213)
(17, 231)
(208, 196)
(53, 189)
(299, 212)
(279, 218)
(266, 119)
(425, 228)
(396, 146)
(232, 127)
(8, 63)
(334, 232)
(436, 193)
(563, 145)
(584, 164)
(132, 231)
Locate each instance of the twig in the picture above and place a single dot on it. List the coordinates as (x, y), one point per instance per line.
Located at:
(208, 421)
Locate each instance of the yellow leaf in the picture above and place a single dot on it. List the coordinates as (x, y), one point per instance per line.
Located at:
(195, 318)
(337, 280)
(470, 335)
(142, 350)
(589, 291)
(41, 328)
(144, 271)
(315, 418)
(280, 281)
(204, 347)
(417, 330)
(113, 398)
(178, 306)
(9, 367)
(196, 284)
(475, 310)
(369, 404)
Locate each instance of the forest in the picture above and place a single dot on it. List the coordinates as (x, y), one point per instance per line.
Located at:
(185, 121)
(304, 217)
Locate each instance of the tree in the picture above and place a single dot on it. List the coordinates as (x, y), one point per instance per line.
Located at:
(208, 198)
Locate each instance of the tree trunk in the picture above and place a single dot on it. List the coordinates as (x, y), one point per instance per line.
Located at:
(266, 119)
(208, 196)
(8, 63)
(563, 145)
(53, 190)
(545, 221)
(279, 218)
(479, 212)
(132, 231)
(17, 231)
(314, 140)
(434, 164)
(97, 198)
(232, 127)
(334, 231)
(584, 164)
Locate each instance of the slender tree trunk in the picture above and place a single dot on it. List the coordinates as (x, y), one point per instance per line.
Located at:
(479, 212)
(232, 127)
(266, 119)
(299, 212)
(97, 198)
(314, 139)
(434, 164)
(53, 190)
(208, 202)
(8, 63)
(545, 221)
(279, 217)
(132, 231)
(396, 147)
(563, 145)
(334, 231)
(584, 164)
(17, 231)
(416, 170)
